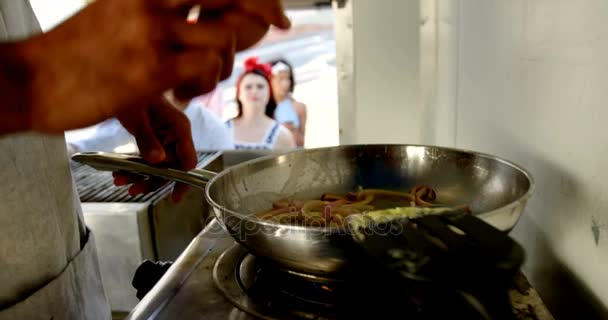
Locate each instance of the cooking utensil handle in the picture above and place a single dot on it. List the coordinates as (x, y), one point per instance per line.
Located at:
(103, 161)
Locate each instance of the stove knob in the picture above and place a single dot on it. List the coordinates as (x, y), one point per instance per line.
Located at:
(147, 275)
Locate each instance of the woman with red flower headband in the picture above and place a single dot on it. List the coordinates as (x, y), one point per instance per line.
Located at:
(254, 126)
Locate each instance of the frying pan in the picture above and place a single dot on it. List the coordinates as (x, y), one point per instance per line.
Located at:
(496, 190)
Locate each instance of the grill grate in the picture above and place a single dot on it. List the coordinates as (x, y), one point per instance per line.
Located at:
(98, 186)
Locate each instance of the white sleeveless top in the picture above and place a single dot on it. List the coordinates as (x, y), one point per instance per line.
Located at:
(48, 261)
(267, 142)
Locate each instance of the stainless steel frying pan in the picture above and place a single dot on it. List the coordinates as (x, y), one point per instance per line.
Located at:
(495, 189)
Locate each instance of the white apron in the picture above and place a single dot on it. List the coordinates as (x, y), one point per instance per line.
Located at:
(48, 260)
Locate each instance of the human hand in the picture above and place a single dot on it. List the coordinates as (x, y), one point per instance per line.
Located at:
(164, 138)
(117, 54)
(248, 29)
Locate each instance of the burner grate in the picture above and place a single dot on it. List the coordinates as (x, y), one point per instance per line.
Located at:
(261, 290)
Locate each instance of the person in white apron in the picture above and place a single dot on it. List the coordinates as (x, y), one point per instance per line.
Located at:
(48, 262)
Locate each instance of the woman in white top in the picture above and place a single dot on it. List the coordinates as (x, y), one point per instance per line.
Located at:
(254, 126)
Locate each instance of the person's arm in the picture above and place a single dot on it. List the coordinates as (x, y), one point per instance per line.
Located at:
(303, 115)
(15, 78)
(87, 70)
(208, 130)
(115, 58)
(295, 132)
(108, 136)
(285, 139)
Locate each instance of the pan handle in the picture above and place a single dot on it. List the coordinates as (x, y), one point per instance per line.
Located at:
(103, 161)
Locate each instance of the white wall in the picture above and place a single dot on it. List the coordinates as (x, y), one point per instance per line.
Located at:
(439, 70)
(370, 51)
(528, 80)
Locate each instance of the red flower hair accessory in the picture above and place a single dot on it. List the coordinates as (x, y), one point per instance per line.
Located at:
(252, 64)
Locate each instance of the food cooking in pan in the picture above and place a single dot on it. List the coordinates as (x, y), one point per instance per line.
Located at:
(334, 209)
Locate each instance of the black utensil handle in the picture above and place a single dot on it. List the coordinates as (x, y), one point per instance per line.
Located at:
(489, 241)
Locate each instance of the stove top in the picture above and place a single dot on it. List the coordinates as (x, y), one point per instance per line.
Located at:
(266, 291)
(215, 278)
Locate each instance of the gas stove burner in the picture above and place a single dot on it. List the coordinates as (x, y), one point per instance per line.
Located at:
(308, 277)
(262, 280)
(264, 291)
